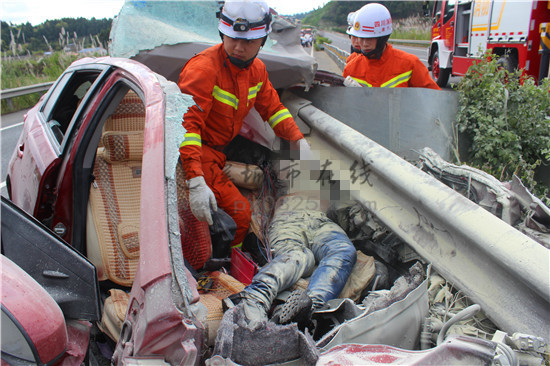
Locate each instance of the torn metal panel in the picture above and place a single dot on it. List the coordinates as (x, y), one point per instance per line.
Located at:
(490, 192)
(164, 35)
(497, 266)
(508, 201)
(381, 317)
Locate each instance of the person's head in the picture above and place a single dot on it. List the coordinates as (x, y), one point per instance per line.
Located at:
(355, 44)
(244, 26)
(355, 47)
(372, 24)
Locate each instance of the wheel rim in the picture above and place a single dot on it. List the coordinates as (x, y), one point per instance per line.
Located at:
(435, 67)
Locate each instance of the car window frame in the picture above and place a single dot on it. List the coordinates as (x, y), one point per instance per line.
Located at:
(51, 100)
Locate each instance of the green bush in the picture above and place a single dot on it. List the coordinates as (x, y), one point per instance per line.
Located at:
(319, 40)
(507, 117)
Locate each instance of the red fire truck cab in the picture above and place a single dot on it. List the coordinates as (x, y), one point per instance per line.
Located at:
(462, 30)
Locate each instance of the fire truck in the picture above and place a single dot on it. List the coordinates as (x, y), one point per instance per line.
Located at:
(462, 30)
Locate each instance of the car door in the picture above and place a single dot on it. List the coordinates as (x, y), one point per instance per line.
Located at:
(45, 136)
(66, 275)
(74, 174)
(437, 20)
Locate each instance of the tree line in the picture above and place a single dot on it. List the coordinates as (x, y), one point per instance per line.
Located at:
(335, 13)
(54, 35)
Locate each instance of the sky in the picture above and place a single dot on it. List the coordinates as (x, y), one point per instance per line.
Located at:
(38, 11)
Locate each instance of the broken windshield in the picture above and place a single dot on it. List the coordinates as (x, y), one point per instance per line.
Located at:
(158, 34)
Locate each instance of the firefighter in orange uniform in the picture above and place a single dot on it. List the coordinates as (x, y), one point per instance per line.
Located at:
(381, 65)
(226, 81)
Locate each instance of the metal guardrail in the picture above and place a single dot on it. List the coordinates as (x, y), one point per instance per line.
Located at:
(24, 90)
(336, 54)
(460, 239)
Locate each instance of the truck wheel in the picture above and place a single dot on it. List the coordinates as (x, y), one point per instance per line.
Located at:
(441, 76)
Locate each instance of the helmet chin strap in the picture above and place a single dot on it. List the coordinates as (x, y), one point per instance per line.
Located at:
(380, 47)
(241, 64)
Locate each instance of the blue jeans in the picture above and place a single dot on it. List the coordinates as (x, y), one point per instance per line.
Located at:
(300, 240)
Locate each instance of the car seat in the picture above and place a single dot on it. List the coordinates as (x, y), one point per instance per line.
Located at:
(114, 204)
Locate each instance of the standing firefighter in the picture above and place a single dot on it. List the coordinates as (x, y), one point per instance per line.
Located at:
(381, 65)
(226, 81)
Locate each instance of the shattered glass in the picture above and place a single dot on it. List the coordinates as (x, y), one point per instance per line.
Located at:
(168, 22)
(176, 106)
(164, 34)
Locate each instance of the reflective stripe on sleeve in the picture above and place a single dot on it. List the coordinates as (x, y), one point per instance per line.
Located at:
(362, 82)
(399, 79)
(192, 139)
(278, 117)
(225, 97)
(253, 91)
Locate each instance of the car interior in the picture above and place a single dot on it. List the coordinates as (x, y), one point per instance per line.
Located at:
(67, 103)
(112, 227)
(113, 217)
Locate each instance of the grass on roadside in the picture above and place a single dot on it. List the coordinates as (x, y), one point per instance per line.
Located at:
(20, 72)
(417, 28)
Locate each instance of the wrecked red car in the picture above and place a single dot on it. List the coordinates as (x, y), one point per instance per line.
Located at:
(440, 279)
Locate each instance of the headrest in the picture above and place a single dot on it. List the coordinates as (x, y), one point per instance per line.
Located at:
(128, 116)
(123, 146)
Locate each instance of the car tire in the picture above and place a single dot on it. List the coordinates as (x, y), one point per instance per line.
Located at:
(440, 75)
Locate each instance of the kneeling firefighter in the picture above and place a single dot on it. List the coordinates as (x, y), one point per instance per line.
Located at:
(226, 81)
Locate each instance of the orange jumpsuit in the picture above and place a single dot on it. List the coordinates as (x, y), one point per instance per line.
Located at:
(223, 95)
(395, 69)
(352, 56)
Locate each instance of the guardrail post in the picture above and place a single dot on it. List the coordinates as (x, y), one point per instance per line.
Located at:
(10, 102)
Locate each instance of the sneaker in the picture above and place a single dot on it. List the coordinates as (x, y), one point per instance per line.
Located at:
(297, 309)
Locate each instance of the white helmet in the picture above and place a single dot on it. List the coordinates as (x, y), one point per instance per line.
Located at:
(245, 19)
(351, 20)
(371, 21)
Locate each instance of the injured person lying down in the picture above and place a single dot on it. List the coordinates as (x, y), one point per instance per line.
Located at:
(304, 243)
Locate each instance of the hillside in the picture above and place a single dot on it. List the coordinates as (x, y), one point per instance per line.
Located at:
(335, 13)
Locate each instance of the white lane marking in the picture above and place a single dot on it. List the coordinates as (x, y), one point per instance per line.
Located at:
(15, 125)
